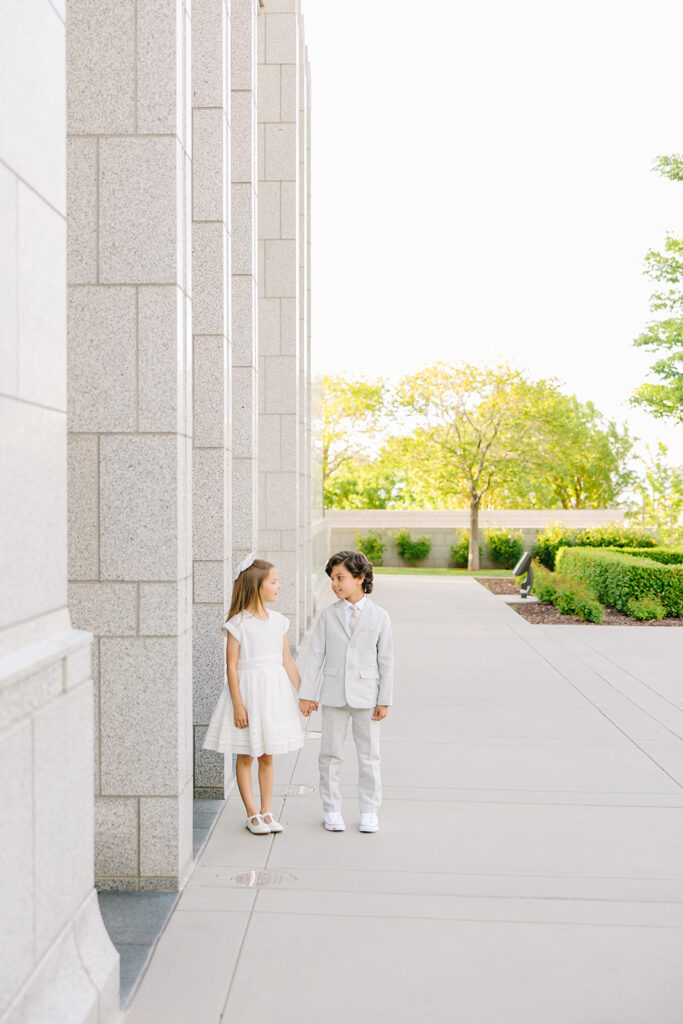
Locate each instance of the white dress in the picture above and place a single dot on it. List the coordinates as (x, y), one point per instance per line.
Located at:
(267, 694)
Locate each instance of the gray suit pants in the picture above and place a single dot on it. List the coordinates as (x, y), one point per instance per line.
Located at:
(366, 737)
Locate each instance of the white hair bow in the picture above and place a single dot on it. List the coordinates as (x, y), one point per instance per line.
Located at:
(244, 564)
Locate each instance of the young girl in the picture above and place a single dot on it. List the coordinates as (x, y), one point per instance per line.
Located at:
(256, 714)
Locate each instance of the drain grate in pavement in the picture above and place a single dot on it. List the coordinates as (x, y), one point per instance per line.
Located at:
(292, 790)
(264, 879)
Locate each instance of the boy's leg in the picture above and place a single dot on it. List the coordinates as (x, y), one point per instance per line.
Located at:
(366, 735)
(334, 726)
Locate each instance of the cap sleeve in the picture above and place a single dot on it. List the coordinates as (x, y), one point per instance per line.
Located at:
(284, 622)
(232, 626)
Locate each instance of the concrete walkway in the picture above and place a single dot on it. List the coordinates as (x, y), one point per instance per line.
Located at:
(529, 868)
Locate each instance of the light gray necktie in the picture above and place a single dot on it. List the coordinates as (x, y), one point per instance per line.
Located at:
(353, 620)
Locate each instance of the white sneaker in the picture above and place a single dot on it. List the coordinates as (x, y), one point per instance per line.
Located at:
(368, 822)
(257, 825)
(334, 822)
(273, 824)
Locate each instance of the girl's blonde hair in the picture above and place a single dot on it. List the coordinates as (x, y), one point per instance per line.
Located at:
(246, 590)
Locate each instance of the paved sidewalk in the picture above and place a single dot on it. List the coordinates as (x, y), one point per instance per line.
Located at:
(529, 868)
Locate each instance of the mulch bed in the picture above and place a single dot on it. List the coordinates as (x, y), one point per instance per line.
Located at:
(545, 614)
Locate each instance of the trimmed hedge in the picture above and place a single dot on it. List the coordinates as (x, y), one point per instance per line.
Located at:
(610, 535)
(646, 608)
(372, 545)
(412, 549)
(616, 577)
(667, 556)
(506, 547)
(571, 596)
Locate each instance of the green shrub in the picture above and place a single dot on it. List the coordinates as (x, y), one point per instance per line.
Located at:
(506, 547)
(570, 597)
(667, 556)
(461, 549)
(412, 550)
(645, 608)
(372, 545)
(616, 577)
(609, 535)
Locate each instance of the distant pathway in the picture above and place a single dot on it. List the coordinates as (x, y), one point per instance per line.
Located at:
(529, 868)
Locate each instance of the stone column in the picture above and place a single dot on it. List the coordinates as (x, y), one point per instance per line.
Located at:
(303, 341)
(244, 281)
(52, 939)
(279, 384)
(130, 423)
(211, 540)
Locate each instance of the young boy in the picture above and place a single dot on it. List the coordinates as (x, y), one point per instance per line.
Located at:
(351, 643)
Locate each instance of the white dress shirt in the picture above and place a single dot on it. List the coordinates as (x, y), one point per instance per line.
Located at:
(349, 609)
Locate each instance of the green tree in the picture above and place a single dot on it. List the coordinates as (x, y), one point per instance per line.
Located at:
(660, 492)
(664, 335)
(352, 411)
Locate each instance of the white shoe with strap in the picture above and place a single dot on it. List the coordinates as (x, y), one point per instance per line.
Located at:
(273, 824)
(257, 825)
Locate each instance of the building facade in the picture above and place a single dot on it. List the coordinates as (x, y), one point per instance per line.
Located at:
(156, 427)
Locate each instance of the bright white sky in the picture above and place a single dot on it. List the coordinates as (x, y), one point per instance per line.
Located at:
(482, 186)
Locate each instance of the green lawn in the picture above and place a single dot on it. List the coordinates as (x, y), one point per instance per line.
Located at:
(387, 570)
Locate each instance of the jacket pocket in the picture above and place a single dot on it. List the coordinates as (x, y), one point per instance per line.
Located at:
(369, 673)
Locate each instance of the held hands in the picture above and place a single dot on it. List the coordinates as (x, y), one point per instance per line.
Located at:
(306, 706)
(241, 717)
(381, 711)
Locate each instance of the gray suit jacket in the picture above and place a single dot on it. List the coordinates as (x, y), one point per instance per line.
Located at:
(357, 669)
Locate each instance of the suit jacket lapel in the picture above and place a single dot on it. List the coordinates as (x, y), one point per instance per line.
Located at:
(341, 615)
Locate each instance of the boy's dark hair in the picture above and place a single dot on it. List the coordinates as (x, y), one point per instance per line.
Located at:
(356, 563)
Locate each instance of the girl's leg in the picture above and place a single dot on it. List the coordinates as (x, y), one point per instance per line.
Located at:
(265, 781)
(243, 776)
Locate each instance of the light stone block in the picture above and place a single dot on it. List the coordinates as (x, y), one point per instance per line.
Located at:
(282, 41)
(160, 611)
(159, 836)
(105, 609)
(116, 837)
(209, 771)
(244, 506)
(208, 658)
(289, 94)
(102, 359)
(243, 137)
(243, 320)
(159, 50)
(281, 497)
(261, 151)
(270, 540)
(140, 686)
(244, 397)
(243, 43)
(81, 156)
(99, 957)
(289, 326)
(32, 122)
(269, 213)
(140, 185)
(281, 156)
(161, 348)
(140, 533)
(269, 444)
(209, 155)
(209, 270)
(62, 768)
(208, 62)
(42, 302)
(16, 858)
(209, 503)
(101, 67)
(281, 267)
(60, 980)
(281, 384)
(209, 582)
(269, 327)
(288, 441)
(34, 565)
(83, 506)
(261, 39)
(210, 374)
(288, 210)
(9, 342)
(269, 93)
(243, 234)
